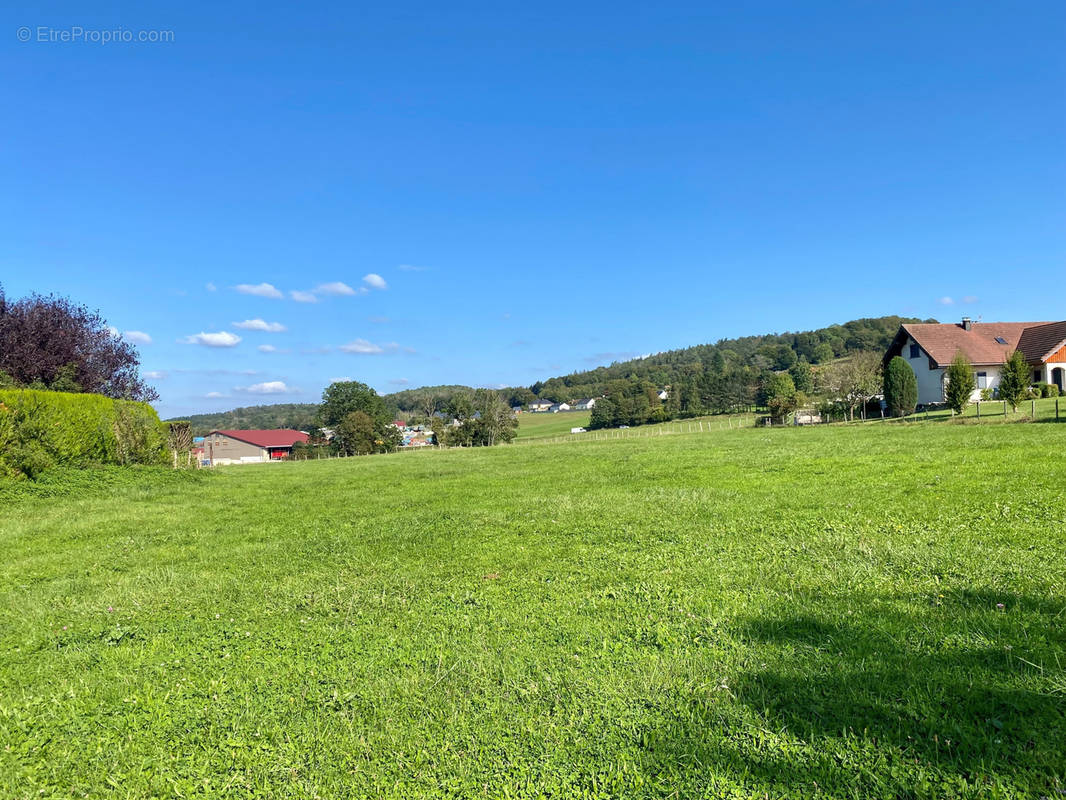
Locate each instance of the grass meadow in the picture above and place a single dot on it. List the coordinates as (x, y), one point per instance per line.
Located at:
(543, 424)
(861, 611)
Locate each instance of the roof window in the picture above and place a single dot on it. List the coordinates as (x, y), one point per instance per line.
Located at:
(1000, 340)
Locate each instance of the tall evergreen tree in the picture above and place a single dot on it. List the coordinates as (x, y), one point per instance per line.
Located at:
(961, 383)
(1014, 383)
(901, 388)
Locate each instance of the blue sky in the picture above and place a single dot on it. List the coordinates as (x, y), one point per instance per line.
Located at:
(532, 189)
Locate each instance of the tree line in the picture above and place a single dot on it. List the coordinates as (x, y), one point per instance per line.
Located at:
(353, 419)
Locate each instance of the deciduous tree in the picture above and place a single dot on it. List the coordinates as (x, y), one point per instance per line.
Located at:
(854, 380)
(51, 342)
(781, 396)
(342, 398)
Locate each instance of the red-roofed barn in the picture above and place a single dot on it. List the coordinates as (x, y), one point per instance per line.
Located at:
(930, 349)
(250, 447)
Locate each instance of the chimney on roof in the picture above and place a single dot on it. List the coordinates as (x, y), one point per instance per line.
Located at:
(967, 323)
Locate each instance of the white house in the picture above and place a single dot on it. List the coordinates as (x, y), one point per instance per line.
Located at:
(540, 405)
(663, 394)
(930, 348)
(585, 404)
(555, 409)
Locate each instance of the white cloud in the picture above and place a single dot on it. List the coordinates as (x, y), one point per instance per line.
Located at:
(220, 339)
(269, 348)
(341, 379)
(269, 387)
(335, 288)
(411, 268)
(375, 281)
(260, 325)
(213, 395)
(155, 375)
(115, 332)
(946, 301)
(259, 290)
(210, 287)
(970, 298)
(303, 297)
(361, 347)
(137, 337)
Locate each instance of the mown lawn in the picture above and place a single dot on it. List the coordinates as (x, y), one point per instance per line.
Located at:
(542, 424)
(866, 611)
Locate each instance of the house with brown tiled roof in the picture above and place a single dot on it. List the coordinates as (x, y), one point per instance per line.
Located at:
(930, 348)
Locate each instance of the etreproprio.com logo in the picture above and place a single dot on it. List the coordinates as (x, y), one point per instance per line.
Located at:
(76, 34)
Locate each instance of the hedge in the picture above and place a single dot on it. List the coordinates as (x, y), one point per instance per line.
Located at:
(40, 428)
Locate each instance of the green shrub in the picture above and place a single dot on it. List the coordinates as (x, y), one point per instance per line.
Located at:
(1046, 389)
(988, 394)
(38, 428)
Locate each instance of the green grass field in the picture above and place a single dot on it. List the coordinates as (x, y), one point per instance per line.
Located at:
(540, 425)
(863, 611)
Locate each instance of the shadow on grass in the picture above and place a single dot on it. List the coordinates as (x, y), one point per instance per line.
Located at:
(906, 697)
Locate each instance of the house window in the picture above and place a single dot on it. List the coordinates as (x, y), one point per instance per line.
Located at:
(1036, 376)
(1000, 340)
(982, 380)
(915, 351)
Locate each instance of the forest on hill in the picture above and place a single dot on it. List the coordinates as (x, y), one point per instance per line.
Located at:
(296, 416)
(774, 352)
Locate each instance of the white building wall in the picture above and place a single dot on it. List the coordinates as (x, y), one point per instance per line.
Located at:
(993, 375)
(930, 381)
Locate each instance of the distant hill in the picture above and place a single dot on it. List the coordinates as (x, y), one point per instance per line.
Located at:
(776, 351)
(299, 416)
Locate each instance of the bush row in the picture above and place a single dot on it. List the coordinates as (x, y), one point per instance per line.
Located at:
(39, 429)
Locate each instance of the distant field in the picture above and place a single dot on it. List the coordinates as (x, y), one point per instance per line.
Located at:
(531, 426)
(868, 611)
